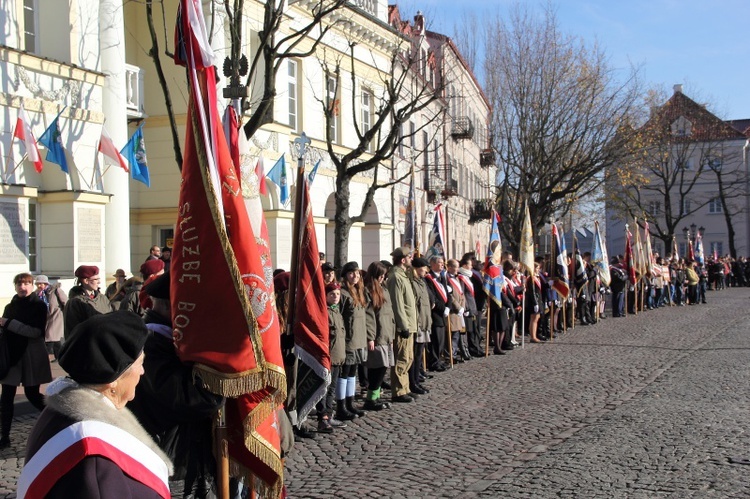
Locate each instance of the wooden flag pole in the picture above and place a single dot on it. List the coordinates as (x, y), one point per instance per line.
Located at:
(221, 451)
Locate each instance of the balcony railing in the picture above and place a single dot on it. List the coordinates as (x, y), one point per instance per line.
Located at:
(487, 158)
(369, 6)
(134, 91)
(480, 210)
(440, 181)
(462, 128)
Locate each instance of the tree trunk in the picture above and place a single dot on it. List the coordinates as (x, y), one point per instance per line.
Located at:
(730, 233)
(343, 222)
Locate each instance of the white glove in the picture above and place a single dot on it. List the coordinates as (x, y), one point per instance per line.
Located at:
(446, 312)
(536, 309)
(461, 311)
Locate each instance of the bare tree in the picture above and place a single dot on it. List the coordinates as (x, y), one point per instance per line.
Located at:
(558, 110)
(275, 44)
(671, 159)
(405, 93)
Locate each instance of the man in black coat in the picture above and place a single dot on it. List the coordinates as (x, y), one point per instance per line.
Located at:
(439, 292)
(618, 284)
(170, 402)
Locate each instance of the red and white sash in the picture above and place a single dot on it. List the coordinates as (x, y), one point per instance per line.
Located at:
(468, 286)
(456, 285)
(438, 287)
(66, 449)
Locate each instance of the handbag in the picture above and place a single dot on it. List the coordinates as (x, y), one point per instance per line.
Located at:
(4, 355)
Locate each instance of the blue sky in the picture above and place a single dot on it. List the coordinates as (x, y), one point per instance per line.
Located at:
(699, 43)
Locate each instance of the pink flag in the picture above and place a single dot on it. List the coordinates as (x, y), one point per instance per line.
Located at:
(23, 132)
(107, 147)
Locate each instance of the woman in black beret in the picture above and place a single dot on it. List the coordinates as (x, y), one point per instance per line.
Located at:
(86, 443)
(23, 324)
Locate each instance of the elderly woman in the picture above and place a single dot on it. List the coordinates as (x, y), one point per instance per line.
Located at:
(23, 323)
(86, 443)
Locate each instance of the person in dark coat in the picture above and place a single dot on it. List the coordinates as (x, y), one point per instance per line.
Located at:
(84, 299)
(171, 403)
(103, 357)
(618, 284)
(23, 324)
(439, 298)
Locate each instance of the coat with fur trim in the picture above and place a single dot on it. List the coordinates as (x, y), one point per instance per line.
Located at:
(94, 476)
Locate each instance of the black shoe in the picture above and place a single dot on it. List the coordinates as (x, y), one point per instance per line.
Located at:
(498, 352)
(304, 433)
(402, 399)
(373, 405)
(324, 426)
(423, 388)
(416, 389)
(385, 385)
(458, 360)
(438, 368)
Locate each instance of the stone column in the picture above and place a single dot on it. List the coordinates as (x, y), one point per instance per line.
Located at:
(116, 181)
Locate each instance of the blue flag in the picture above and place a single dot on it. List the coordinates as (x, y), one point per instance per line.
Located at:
(311, 175)
(492, 273)
(135, 152)
(277, 175)
(52, 140)
(437, 235)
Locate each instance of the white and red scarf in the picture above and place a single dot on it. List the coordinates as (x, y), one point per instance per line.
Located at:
(72, 444)
(438, 287)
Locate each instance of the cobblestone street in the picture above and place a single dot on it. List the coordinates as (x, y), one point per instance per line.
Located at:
(648, 406)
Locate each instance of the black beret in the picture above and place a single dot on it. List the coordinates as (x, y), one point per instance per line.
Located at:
(159, 287)
(328, 267)
(349, 267)
(101, 348)
(419, 262)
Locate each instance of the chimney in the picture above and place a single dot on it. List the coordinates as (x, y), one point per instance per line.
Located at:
(678, 88)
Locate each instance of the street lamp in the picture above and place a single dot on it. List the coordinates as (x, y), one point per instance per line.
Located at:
(692, 229)
(701, 230)
(686, 232)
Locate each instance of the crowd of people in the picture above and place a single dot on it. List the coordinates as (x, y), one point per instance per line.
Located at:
(392, 327)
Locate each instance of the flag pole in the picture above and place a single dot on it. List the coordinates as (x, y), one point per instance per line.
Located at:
(25, 155)
(627, 271)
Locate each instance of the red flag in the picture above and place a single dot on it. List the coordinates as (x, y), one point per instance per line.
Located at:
(24, 133)
(221, 303)
(311, 318)
(107, 147)
(262, 189)
(629, 266)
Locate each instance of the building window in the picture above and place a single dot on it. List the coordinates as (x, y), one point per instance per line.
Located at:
(30, 25)
(333, 106)
(366, 115)
(682, 127)
(683, 249)
(412, 133)
(685, 207)
(292, 89)
(425, 151)
(714, 164)
(33, 246)
(717, 248)
(714, 206)
(683, 163)
(654, 208)
(401, 140)
(437, 158)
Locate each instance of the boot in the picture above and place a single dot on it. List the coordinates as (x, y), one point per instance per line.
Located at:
(464, 349)
(373, 405)
(6, 419)
(350, 407)
(341, 413)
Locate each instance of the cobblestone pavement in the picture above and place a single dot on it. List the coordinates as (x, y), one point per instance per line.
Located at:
(648, 406)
